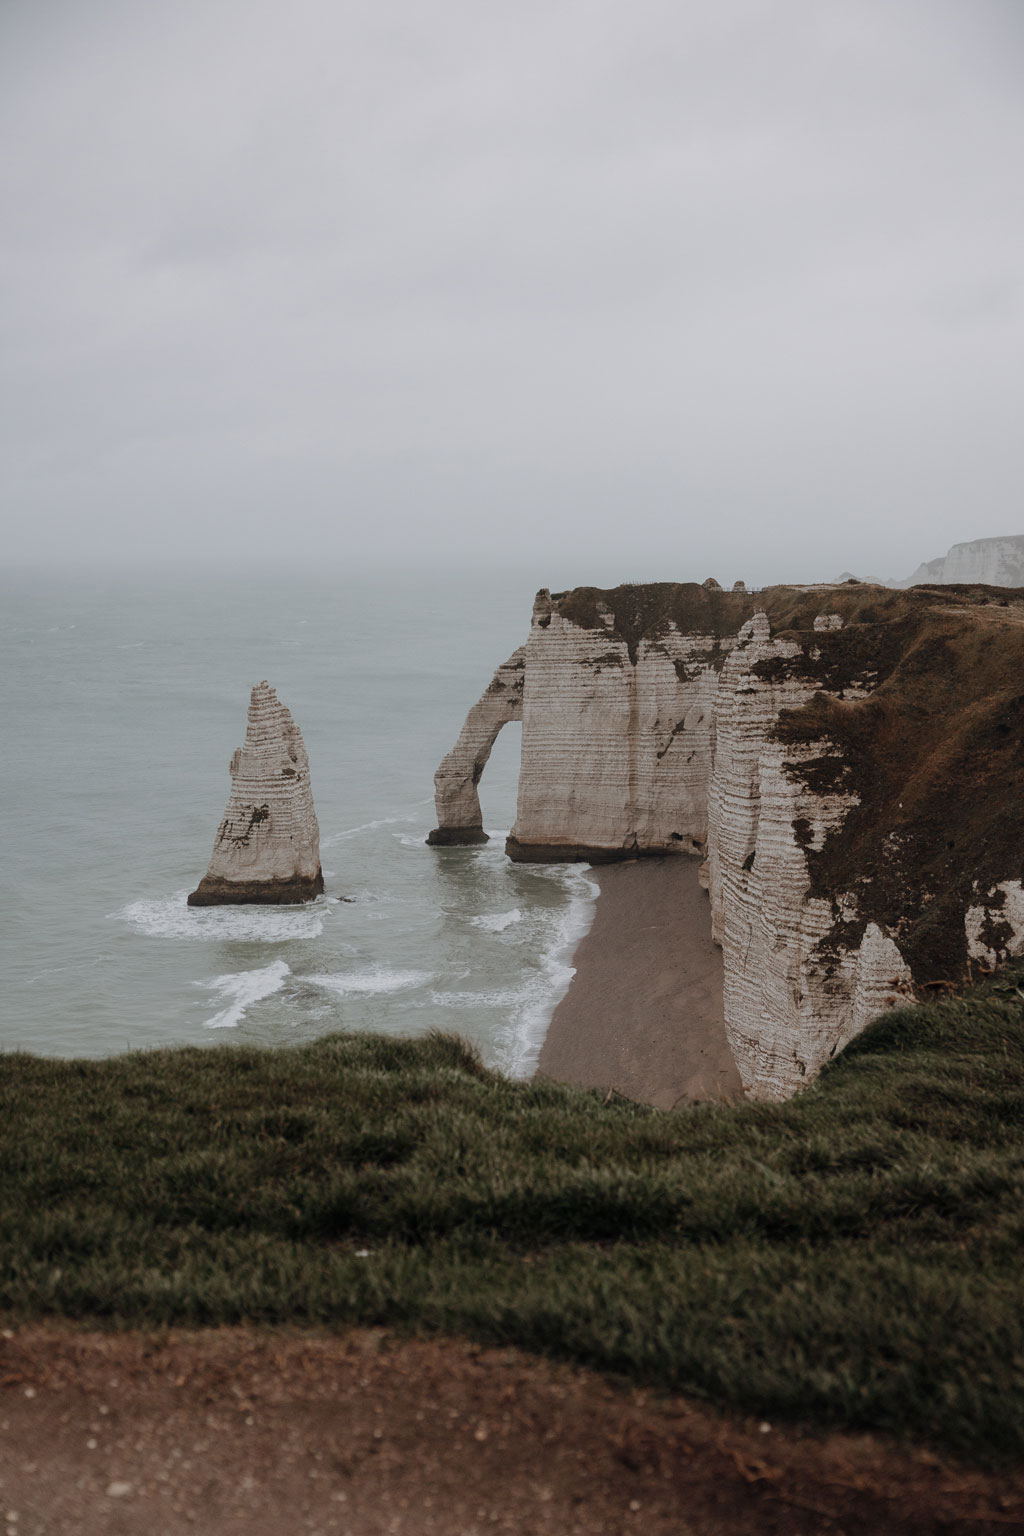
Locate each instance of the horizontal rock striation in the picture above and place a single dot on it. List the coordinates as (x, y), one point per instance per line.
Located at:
(616, 735)
(848, 761)
(790, 1000)
(267, 848)
(459, 819)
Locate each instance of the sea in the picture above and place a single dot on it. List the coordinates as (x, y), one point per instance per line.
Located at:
(122, 697)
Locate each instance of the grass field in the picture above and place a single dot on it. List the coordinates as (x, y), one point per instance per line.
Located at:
(850, 1258)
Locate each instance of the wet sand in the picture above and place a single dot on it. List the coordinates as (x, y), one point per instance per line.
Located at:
(643, 1013)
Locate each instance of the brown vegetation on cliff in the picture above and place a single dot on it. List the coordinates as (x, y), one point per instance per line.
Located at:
(935, 756)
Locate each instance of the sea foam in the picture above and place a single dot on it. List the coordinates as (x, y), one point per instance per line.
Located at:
(497, 922)
(244, 988)
(170, 917)
(520, 1042)
(552, 934)
(367, 983)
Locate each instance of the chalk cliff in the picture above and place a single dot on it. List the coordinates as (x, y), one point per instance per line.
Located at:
(267, 847)
(616, 731)
(848, 761)
(990, 562)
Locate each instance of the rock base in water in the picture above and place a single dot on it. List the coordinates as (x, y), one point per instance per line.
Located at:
(457, 837)
(582, 853)
(264, 893)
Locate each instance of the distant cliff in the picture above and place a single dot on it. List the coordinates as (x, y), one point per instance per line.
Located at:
(848, 762)
(991, 562)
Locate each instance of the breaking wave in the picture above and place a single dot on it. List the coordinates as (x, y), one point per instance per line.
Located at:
(244, 988)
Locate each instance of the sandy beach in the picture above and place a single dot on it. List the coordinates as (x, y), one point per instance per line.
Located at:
(643, 1013)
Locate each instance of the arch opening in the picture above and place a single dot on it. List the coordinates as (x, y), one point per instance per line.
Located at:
(459, 817)
(498, 788)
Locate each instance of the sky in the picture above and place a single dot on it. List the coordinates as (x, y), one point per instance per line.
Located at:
(640, 291)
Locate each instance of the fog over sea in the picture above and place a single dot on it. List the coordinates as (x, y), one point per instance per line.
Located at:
(123, 697)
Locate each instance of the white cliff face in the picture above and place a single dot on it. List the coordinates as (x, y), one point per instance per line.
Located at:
(990, 562)
(459, 819)
(267, 847)
(790, 1001)
(616, 752)
(654, 727)
(746, 710)
(995, 926)
(881, 980)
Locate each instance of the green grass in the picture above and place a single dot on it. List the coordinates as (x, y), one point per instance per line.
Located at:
(852, 1257)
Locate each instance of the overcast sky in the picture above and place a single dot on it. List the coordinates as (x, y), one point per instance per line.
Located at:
(641, 290)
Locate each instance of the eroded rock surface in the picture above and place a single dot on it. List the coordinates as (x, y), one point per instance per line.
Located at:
(848, 761)
(459, 819)
(995, 924)
(267, 847)
(616, 738)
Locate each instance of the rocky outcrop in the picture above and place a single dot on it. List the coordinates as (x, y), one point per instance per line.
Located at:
(267, 848)
(848, 761)
(995, 924)
(989, 562)
(456, 799)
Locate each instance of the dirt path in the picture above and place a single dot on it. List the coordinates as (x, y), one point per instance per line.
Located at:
(273, 1434)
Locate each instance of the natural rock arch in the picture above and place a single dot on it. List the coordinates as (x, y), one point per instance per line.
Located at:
(459, 819)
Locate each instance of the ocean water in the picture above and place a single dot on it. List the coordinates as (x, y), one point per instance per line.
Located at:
(122, 698)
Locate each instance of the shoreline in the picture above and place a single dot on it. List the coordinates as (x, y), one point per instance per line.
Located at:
(643, 1016)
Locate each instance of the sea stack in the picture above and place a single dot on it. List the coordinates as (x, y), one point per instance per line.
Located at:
(267, 848)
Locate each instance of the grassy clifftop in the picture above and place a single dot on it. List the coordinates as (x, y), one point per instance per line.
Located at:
(850, 1258)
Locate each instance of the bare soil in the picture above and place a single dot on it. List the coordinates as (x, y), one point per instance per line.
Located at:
(271, 1432)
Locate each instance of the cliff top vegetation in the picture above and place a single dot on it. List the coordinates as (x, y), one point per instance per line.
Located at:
(849, 1258)
(643, 610)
